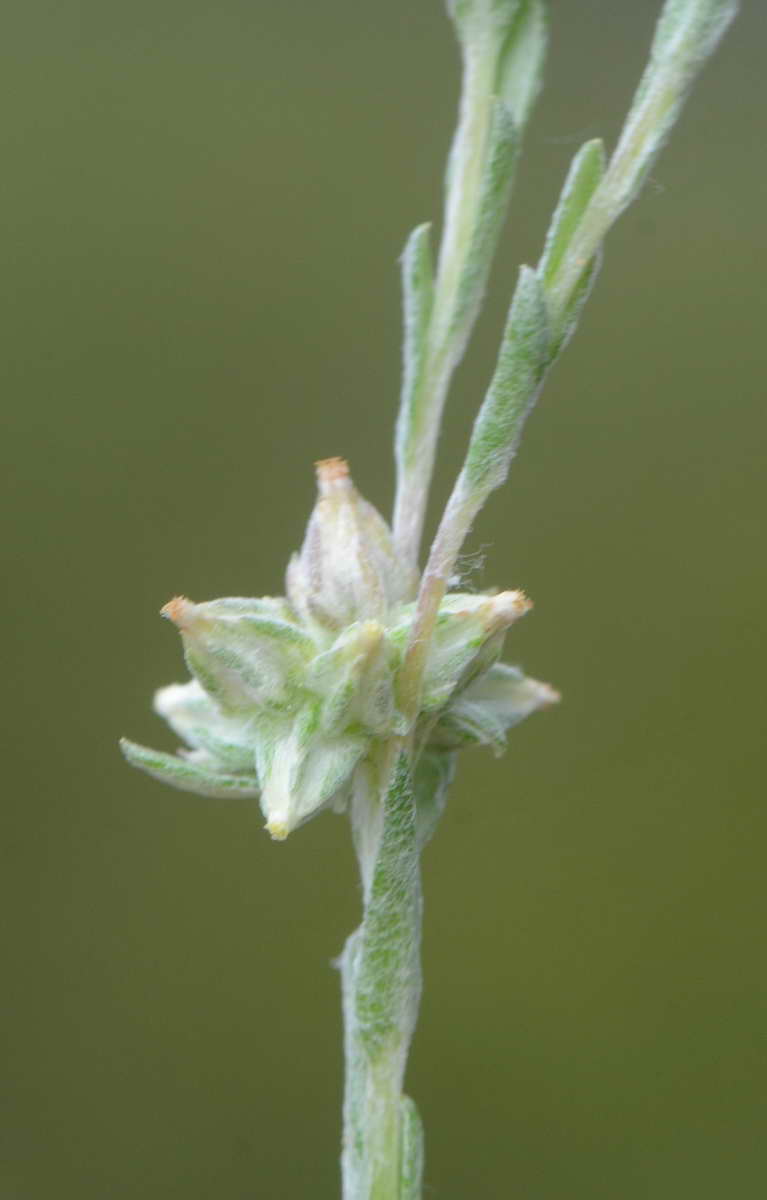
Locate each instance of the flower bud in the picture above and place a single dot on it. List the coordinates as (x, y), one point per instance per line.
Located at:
(355, 679)
(301, 770)
(243, 655)
(468, 638)
(347, 569)
(482, 714)
(290, 696)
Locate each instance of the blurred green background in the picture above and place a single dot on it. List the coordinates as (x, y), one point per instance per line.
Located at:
(203, 206)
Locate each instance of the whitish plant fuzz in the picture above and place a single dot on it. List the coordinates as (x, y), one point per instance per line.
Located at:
(355, 690)
(291, 695)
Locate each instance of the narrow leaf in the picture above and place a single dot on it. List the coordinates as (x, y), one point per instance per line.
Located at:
(519, 372)
(686, 34)
(520, 71)
(411, 1151)
(186, 775)
(478, 18)
(417, 297)
(689, 30)
(387, 983)
(586, 172)
(498, 172)
(431, 783)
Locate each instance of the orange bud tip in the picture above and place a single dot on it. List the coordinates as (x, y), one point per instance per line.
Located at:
(331, 473)
(508, 606)
(176, 610)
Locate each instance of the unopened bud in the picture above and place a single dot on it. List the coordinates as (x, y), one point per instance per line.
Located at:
(347, 569)
(483, 713)
(468, 638)
(243, 656)
(300, 770)
(355, 681)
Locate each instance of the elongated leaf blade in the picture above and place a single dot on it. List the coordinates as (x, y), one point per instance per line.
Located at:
(500, 161)
(188, 776)
(522, 362)
(387, 970)
(586, 173)
(483, 17)
(417, 298)
(520, 69)
(584, 177)
(431, 784)
(411, 1151)
(686, 34)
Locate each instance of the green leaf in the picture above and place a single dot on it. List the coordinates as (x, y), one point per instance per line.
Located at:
(387, 971)
(497, 176)
(187, 775)
(517, 31)
(411, 1151)
(686, 34)
(417, 299)
(520, 68)
(586, 173)
(474, 18)
(514, 388)
(431, 784)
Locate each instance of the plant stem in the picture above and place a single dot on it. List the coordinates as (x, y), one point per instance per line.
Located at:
(381, 982)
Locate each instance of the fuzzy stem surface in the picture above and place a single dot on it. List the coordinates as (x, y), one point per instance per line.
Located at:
(381, 986)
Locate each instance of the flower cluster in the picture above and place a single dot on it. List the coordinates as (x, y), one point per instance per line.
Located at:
(289, 695)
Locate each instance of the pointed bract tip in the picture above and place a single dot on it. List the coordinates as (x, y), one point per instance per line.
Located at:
(177, 610)
(508, 606)
(277, 830)
(370, 633)
(548, 695)
(331, 474)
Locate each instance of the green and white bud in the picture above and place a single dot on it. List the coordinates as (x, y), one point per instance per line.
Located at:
(243, 654)
(292, 696)
(301, 770)
(355, 679)
(468, 638)
(483, 713)
(347, 569)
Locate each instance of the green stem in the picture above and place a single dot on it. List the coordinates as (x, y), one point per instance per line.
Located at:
(381, 981)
